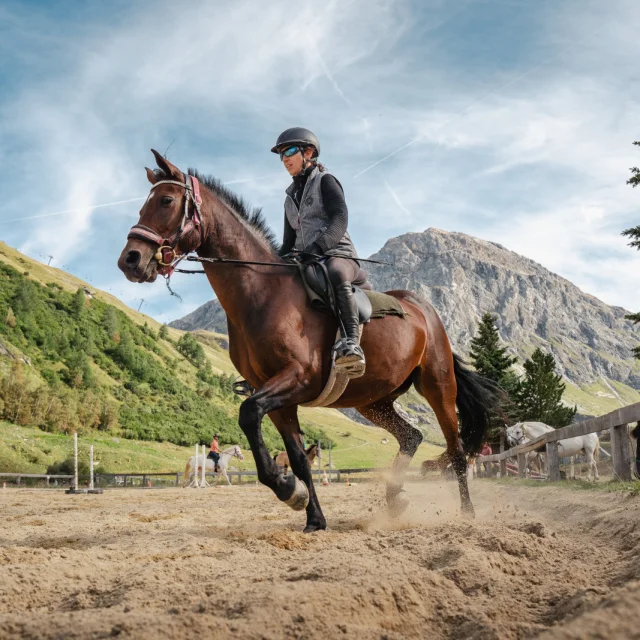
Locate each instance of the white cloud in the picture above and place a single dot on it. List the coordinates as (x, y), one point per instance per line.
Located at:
(533, 156)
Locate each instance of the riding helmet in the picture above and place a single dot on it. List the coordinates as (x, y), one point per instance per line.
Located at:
(297, 135)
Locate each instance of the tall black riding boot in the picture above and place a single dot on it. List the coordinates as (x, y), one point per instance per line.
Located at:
(349, 354)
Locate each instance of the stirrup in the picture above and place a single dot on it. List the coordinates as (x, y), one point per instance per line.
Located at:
(350, 364)
(243, 388)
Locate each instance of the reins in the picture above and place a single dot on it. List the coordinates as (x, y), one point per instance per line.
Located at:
(253, 262)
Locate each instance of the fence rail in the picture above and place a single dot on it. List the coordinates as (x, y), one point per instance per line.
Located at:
(615, 422)
(168, 479)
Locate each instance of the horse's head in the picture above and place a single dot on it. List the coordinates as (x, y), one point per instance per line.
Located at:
(516, 435)
(237, 452)
(169, 224)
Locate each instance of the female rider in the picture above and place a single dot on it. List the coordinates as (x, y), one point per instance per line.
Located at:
(315, 222)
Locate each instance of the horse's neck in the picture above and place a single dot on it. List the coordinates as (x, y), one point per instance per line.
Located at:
(241, 290)
(535, 430)
(226, 455)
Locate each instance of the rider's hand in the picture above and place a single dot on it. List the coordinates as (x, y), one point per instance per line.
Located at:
(311, 253)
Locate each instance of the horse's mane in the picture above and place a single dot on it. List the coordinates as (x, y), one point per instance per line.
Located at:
(308, 450)
(251, 215)
(233, 446)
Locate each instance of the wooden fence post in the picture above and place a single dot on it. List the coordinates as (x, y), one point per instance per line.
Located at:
(522, 465)
(620, 453)
(553, 461)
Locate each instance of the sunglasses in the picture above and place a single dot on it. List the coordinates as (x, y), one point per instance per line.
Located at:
(290, 151)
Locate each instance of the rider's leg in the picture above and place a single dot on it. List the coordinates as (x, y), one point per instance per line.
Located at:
(342, 272)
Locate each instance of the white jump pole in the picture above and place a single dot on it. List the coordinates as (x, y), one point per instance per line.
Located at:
(91, 467)
(195, 484)
(75, 460)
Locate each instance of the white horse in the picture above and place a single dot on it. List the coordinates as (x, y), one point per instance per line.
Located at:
(194, 464)
(525, 431)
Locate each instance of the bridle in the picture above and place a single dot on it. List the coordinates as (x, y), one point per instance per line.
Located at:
(167, 254)
(521, 439)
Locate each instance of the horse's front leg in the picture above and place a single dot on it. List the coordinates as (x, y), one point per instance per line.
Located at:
(591, 464)
(277, 393)
(226, 477)
(286, 421)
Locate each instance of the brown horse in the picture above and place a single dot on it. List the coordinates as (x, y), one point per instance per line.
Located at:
(282, 345)
(282, 458)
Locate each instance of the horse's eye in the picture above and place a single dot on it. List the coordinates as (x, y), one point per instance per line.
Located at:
(165, 201)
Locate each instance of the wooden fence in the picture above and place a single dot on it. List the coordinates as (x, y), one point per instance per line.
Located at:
(615, 422)
(158, 480)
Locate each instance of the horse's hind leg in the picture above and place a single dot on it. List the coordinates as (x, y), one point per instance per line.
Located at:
(437, 384)
(383, 414)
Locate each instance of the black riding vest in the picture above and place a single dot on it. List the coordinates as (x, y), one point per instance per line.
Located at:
(311, 219)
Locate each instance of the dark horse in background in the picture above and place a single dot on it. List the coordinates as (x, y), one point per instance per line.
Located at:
(282, 345)
(282, 458)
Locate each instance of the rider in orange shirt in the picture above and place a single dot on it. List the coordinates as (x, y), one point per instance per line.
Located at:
(214, 452)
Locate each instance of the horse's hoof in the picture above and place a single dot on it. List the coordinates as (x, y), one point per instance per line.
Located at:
(468, 512)
(315, 526)
(398, 504)
(300, 497)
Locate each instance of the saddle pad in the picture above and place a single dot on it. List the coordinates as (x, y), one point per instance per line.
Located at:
(381, 303)
(384, 305)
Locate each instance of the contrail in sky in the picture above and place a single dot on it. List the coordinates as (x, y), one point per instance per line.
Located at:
(480, 99)
(59, 213)
(113, 204)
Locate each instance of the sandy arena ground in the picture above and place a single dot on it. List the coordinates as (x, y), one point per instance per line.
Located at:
(232, 563)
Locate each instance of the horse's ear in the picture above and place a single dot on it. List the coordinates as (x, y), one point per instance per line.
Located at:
(171, 171)
(152, 177)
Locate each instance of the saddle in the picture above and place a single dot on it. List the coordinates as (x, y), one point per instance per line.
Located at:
(320, 291)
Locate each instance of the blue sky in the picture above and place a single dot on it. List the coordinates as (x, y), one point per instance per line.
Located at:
(509, 120)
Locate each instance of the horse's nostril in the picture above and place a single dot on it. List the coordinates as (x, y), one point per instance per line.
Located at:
(132, 259)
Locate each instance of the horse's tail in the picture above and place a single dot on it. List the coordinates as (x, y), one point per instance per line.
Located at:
(187, 471)
(478, 398)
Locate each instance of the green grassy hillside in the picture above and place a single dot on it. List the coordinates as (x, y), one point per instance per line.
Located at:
(141, 392)
(31, 450)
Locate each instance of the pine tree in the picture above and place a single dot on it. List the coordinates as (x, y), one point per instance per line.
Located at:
(78, 303)
(164, 332)
(490, 360)
(488, 357)
(634, 234)
(538, 395)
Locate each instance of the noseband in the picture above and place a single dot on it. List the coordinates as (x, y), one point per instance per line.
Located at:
(167, 254)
